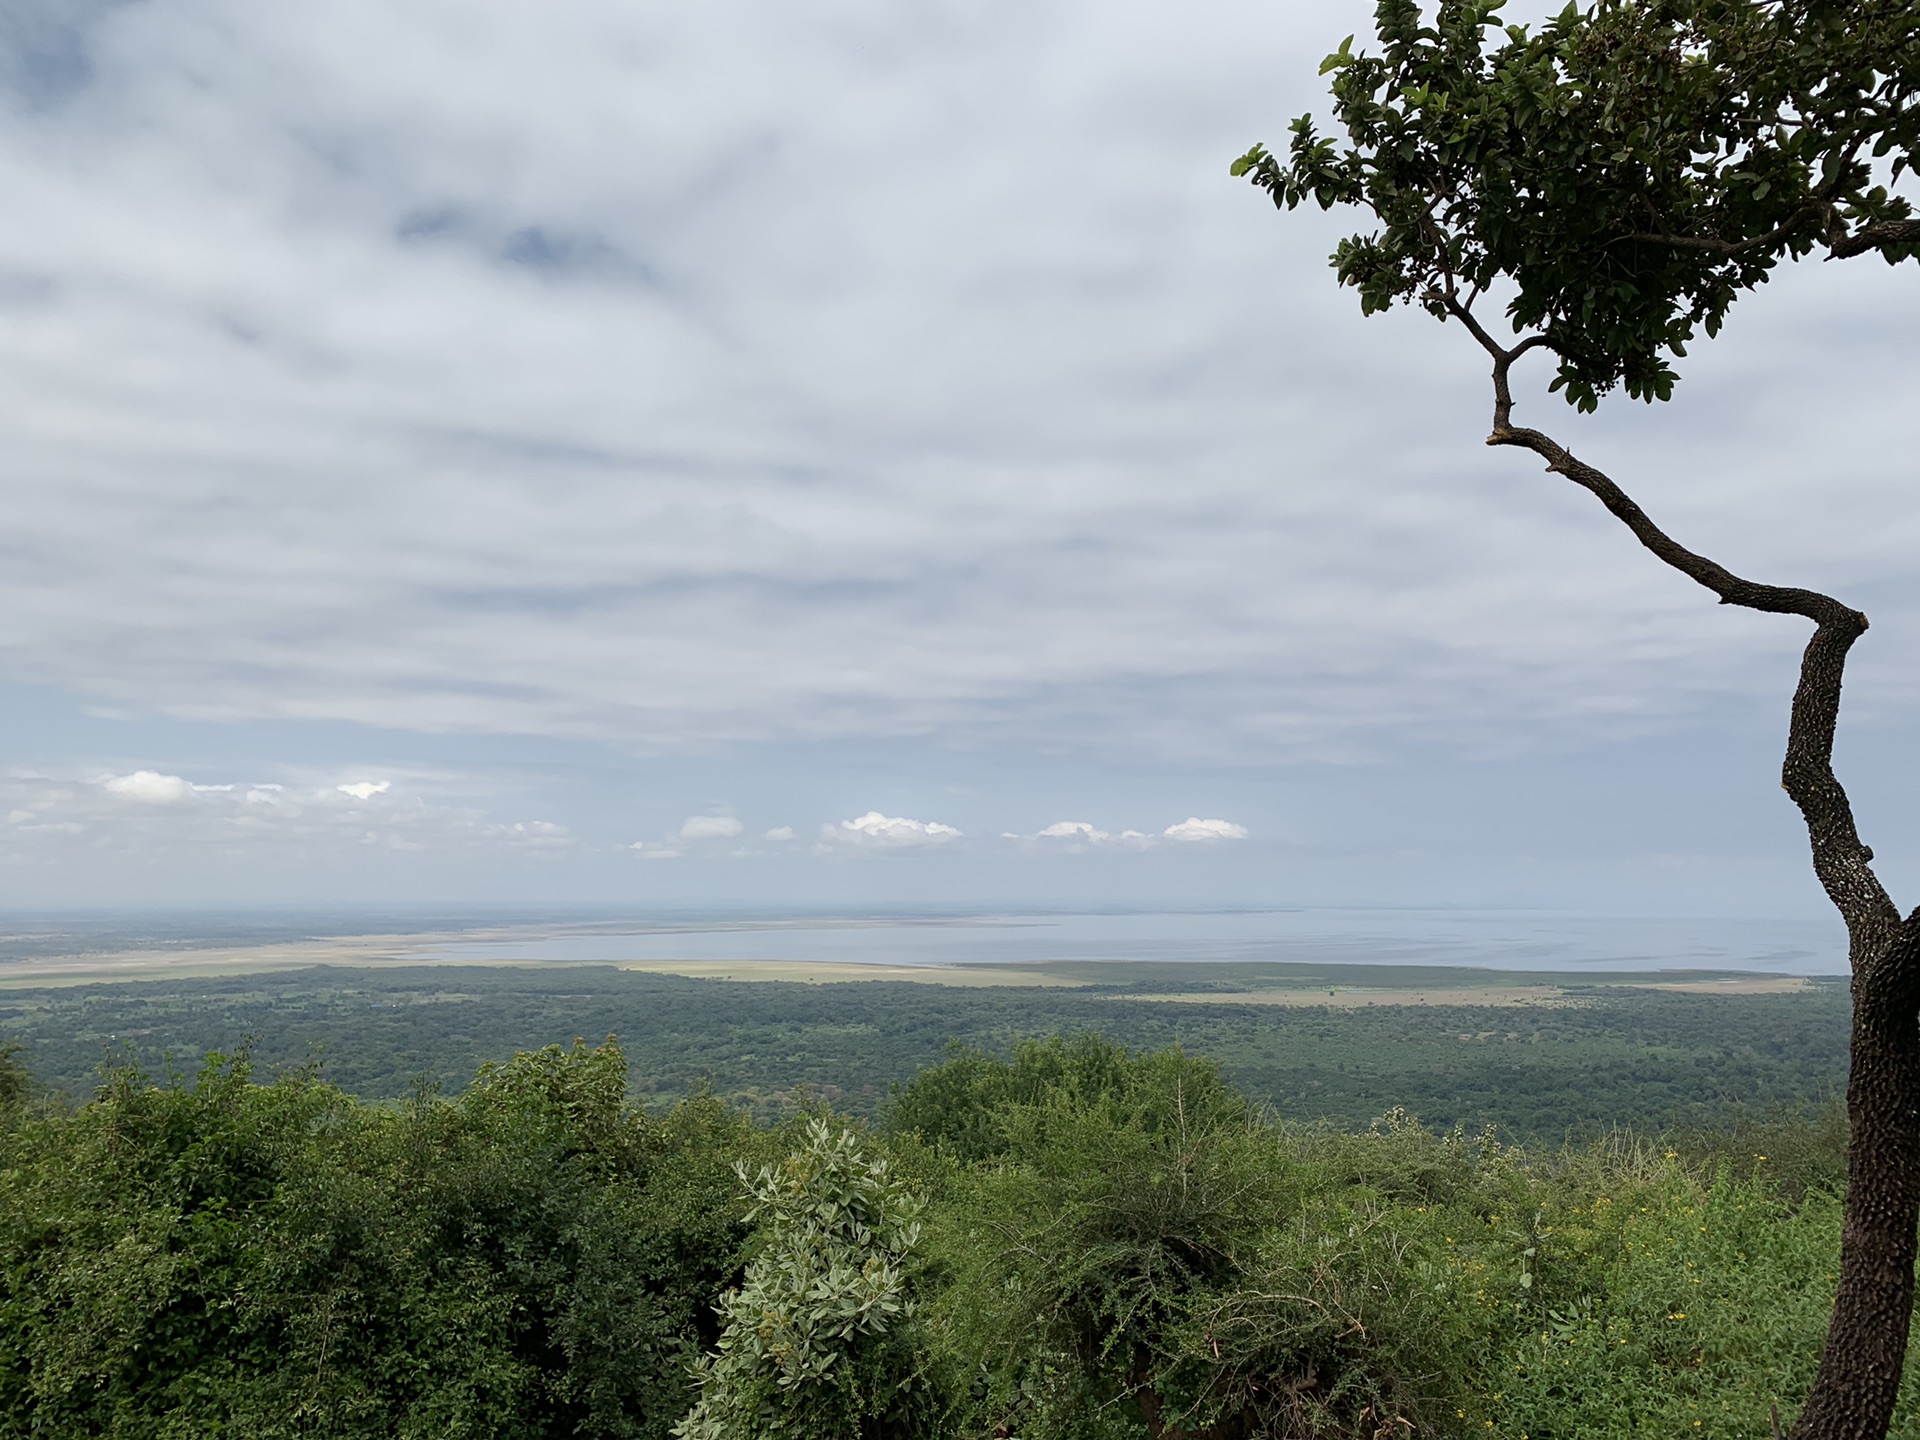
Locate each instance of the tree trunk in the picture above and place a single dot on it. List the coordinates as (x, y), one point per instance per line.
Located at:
(1859, 1377)
(1858, 1381)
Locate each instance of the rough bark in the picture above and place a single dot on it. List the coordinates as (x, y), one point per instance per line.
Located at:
(1859, 1377)
(1860, 1369)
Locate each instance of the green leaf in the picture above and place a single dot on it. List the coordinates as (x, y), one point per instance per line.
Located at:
(1340, 58)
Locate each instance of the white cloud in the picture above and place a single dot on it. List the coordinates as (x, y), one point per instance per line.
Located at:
(709, 827)
(779, 832)
(1193, 828)
(158, 813)
(365, 789)
(656, 850)
(1081, 834)
(1071, 830)
(891, 831)
(149, 787)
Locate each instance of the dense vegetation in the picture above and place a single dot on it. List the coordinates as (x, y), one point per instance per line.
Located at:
(1073, 1241)
(1616, 1057)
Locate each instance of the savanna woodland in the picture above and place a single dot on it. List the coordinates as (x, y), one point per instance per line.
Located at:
(1069, 1238)
(1613, 183)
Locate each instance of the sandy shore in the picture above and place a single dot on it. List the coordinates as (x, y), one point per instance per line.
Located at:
(390, 951)
(1351, 997)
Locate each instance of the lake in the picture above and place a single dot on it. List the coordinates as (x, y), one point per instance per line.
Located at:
(1499, 939)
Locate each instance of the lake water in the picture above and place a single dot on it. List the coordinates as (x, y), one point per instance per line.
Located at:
(1499, 939)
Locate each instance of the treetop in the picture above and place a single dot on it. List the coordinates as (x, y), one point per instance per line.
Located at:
(1628, 169)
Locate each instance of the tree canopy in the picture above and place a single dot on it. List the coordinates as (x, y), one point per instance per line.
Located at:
(1628, 170)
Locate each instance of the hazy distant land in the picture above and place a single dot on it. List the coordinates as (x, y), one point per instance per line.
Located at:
(1333, 958)
(1334, 1015)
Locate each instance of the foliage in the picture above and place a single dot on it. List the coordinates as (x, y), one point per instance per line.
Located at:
(16, 1081)
(228, 1257)
(1108, 1273)
(1117, 1243)
(965, 1105)
(819, 1338)
(1629, 169)
(1611, 1056)
(1144, 1251)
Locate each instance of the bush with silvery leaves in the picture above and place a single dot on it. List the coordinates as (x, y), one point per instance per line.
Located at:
(818, 1339)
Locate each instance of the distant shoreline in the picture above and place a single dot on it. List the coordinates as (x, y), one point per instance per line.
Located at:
(1199, 981)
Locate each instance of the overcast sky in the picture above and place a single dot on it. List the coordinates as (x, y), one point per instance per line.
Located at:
(845, 452)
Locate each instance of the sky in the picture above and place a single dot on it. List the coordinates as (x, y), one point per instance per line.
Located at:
(847, 453)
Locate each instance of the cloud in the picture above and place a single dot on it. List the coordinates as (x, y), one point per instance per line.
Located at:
(890, 831)
(1194, 829)
(155, 813)
(656, 850)
(149, 787)
(709, 827)
(779, 833)
(1080, 834)
(535, 835)
(358, 377)
(896, 467)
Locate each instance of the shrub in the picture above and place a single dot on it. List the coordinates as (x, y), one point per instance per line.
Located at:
(819, 1340)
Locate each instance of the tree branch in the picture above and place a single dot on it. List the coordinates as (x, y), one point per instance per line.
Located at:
(1872, 237)
(1841, 861)
(1732, 247)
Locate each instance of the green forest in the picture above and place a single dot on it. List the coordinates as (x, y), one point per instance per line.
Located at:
(410, 1201)
(1063, 1238)
(1610, 1055)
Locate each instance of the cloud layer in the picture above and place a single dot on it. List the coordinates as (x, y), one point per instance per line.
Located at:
(749, 372)
(51, 818)
(808, 434)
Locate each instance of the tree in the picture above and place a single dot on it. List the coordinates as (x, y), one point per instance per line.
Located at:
(1139, 1251)
(16, 1081)
(1619, 178)
(818, 1338)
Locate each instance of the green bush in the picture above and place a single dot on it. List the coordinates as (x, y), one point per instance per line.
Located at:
(819, 1340)
(230, 1258)
(1132, 1252)
(1143, 1255)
